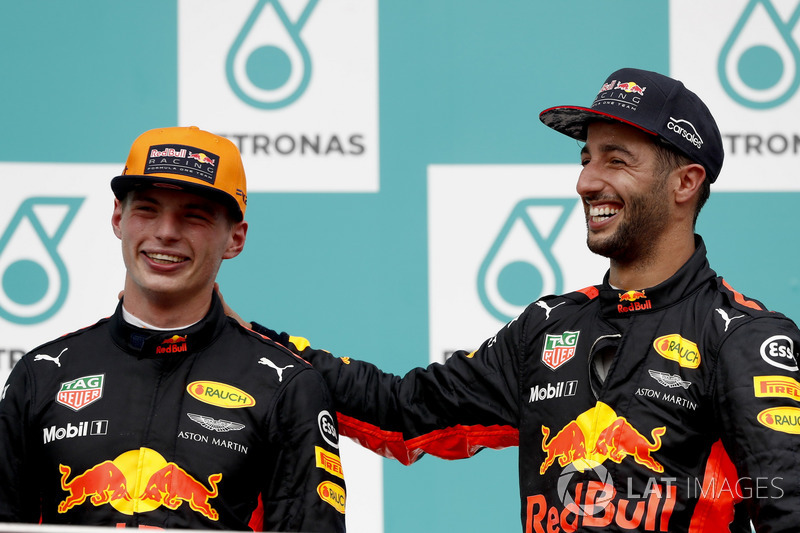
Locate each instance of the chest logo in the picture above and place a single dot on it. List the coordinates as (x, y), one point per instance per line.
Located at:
(676, 348)
(559, 349)
(55, 360)
(220, 394)
(80, 392)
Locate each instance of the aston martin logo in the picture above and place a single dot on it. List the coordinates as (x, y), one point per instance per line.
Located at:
(669, 380)
(220, 426)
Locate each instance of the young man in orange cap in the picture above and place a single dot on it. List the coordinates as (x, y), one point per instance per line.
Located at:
(169, 414)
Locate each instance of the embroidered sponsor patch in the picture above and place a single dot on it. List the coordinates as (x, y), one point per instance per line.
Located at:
(328, 429)
(776, 387)
(181, 159)
(676, 348)
(332, 494)
(783, 419)
(778, 351)
(559, 349)
(80, 392)
(330, 462)
(220, 394)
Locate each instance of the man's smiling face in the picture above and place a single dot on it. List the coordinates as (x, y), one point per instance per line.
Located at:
(623, 193)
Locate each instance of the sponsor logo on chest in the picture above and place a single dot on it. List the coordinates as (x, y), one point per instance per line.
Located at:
(80, 392)
(559, 349)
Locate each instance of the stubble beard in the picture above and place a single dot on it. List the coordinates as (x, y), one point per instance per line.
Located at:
(636, 236)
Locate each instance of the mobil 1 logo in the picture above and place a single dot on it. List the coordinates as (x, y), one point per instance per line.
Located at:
(549, 391)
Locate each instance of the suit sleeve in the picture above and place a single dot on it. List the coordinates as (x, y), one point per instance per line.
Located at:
(451, 410)
(758, 406)
(305, 490)
(19, 495)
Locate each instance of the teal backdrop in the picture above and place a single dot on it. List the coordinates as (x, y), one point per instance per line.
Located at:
(460, 82)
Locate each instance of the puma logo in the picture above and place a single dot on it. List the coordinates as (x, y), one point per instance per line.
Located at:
(45, 357)
(279, 370)
(547, 308)
(726, 318)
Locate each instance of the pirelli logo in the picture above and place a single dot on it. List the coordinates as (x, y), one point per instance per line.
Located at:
(329, 462)
(776, 387)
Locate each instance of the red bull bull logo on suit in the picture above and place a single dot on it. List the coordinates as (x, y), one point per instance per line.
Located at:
(581, 447)
(139, 481)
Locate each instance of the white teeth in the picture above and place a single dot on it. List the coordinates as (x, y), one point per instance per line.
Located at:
(164, 258)
(602, 211)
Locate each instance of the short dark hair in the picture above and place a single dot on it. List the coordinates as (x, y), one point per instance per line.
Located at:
(668, 158)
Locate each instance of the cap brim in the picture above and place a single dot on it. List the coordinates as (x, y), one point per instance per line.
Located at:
(122, 185)
(572, 121)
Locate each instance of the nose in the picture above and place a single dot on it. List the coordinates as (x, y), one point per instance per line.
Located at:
(168, 227)
(590, 181)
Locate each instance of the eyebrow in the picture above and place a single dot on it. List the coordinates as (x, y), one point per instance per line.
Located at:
(606, 148)
(207, 207)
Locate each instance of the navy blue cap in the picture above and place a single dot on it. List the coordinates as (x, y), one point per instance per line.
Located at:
(654, 103)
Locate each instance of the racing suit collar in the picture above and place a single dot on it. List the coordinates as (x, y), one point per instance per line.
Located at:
(694, 273)
(150, 343)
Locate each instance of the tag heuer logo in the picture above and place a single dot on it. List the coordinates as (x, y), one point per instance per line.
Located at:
(79, 393)
(558, 349)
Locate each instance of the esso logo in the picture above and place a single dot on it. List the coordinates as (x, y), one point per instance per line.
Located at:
(327, 428)
(778, 351)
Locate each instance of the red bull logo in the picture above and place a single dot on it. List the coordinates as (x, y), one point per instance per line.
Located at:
(101, 484)
(598, 505)
(174, 344)
(595, 436)
(203, 158)
(630, 87)
(120, 484)
(631, 297)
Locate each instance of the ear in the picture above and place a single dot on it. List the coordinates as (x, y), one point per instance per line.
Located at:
(690, 178)
(116, 217)
(236, 241)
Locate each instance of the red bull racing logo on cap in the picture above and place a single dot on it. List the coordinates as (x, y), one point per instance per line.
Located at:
(138, 481)
(559, 349)
(80, 392)
(183, 160)
(630, 87)
(581, 447)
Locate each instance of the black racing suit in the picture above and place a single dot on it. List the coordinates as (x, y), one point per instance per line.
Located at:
(210, 427)
(698, 411)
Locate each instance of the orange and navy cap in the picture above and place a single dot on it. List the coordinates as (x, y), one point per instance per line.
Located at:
(658, 105)
(186, 159)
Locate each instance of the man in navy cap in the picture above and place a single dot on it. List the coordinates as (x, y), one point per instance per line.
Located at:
(658, 399)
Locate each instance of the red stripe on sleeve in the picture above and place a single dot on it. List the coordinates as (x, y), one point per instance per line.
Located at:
(456, 442)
